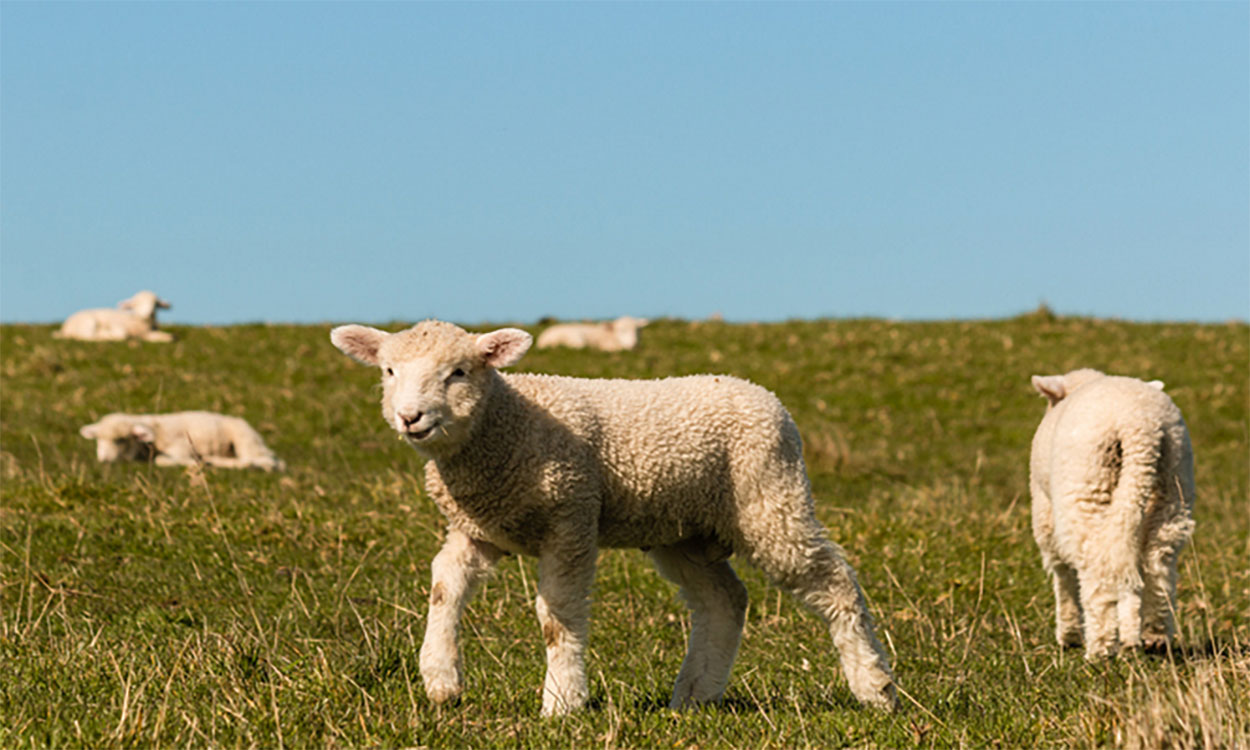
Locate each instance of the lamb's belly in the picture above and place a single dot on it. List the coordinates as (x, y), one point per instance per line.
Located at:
(655, 523)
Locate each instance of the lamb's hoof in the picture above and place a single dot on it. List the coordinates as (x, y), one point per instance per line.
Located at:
(1099, 653)
(442, 690)
(1157, 643)
(884, 697)
(559, 707)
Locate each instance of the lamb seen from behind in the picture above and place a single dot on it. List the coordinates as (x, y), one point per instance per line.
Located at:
(1112, 479)
(690, 469)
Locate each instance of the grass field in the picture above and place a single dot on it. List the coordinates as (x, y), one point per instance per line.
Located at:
(143, 606)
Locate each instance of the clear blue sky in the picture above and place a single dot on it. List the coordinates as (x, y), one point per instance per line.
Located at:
(374, 162)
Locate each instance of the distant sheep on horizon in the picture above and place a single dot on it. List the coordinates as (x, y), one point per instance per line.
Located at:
(133, 318)
(1112, 479)
(181, 439)
(610, 336)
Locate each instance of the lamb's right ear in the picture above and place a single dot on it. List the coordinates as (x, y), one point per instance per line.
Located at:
(90, 431)
(144, 432)
(1156, 384)
(359, 342)
(504, 347)
(1050, 386)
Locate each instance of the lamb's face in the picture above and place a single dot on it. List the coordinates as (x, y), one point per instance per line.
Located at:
(435, 376)
(119, 437)
(430, 394)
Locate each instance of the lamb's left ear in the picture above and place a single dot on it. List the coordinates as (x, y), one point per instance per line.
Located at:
(1050, 386)
(359, 342)
(90, 431)
(1156, 384)
(505, 347)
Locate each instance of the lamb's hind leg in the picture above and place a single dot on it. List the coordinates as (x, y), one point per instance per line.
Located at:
(718, 603)
(1067, 603)
(803, 561)
(1159, 579)
(456, 571)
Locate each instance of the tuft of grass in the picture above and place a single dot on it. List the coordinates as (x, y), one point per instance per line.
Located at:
(142, 606)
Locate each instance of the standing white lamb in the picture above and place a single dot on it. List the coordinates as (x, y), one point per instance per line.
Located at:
(1112, 479)
(690, 469)
(134, 317)
(181, 439)
(611, 336)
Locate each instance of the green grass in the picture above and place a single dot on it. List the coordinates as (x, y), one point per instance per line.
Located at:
(142, 606)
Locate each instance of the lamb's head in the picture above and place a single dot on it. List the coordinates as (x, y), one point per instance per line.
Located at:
(144, 304)
(1057, 387)
(626, 330)
(436, 377)
(121, 437)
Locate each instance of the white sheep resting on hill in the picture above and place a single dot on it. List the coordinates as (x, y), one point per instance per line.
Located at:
(133, 318)
(689, 469)
(1112, 478)
(181, 439)
(612, 336)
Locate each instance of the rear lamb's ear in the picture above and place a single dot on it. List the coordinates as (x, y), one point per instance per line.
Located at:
(90, 431)
(1156, 384)
(1050, 386)
(505, 347)
(359, 342)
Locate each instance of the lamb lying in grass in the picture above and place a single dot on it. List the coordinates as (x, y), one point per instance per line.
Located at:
(133, 318)
(613, 336)
(690, 469)
(181, 439)
(1112, 478)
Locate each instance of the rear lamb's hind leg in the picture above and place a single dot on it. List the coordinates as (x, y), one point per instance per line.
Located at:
(1159, 578)
(718, 603)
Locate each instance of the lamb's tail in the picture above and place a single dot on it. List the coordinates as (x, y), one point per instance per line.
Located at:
(1138, 456)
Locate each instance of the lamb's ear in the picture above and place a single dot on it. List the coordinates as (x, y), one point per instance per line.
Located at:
(1050, 386)
(144, 432)
(359, 342)
(504, 347)
(90, 431)
(1158, 384)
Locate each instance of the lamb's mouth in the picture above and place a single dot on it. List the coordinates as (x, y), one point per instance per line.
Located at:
(419, 435)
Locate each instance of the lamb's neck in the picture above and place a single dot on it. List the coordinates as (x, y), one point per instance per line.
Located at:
(491, 445)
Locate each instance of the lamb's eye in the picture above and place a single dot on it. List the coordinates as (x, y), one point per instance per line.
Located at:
(390, 372)
(458, 373)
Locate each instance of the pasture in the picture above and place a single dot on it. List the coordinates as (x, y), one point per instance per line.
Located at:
(144, 606)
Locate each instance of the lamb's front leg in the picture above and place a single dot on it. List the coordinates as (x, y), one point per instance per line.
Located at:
(565, 576)
(455, 573)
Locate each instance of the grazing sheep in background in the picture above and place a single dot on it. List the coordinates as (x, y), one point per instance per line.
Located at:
(690, 469)
(181, 439)
(133, 318)
(1112, 478)
(613, 336)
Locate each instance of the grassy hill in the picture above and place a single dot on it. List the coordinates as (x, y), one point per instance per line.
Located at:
(142, 606)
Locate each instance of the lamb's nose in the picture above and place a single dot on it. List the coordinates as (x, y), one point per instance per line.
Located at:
(410, 418)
